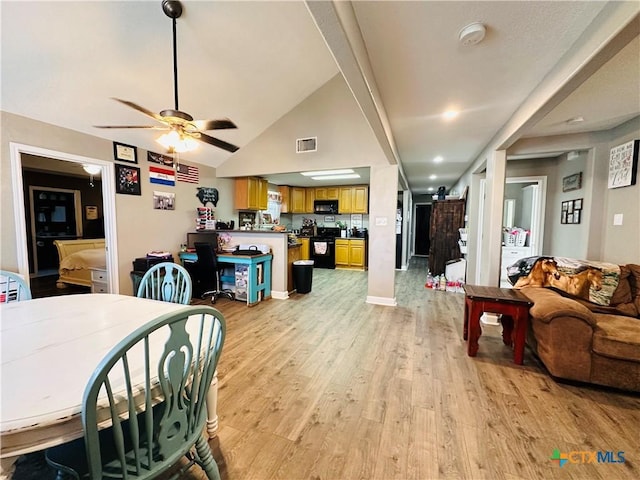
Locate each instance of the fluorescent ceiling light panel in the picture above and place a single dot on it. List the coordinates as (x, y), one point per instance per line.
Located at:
(336, 177)
(328, 172)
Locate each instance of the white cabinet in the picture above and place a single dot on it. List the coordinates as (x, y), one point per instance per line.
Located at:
(509, 256)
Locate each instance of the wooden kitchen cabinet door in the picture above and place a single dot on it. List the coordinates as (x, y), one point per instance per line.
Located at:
(342, 252)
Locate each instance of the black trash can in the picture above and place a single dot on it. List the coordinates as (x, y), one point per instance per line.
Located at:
(302, 275)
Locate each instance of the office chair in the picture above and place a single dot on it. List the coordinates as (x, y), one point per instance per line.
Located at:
(13, 288)
(150, 390)
(167, 282)
(209, 272)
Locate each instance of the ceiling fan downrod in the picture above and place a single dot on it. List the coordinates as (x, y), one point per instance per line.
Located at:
(173, 10)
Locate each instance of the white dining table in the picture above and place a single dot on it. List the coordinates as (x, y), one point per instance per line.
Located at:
(50, 348)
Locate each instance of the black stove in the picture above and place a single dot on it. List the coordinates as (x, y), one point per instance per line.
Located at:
(323, 247)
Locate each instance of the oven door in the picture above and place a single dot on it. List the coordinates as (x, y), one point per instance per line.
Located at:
(323, 252)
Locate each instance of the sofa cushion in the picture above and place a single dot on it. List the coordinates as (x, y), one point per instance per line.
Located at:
(617, 336)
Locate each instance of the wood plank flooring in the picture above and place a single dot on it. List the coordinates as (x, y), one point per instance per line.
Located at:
(326, 386)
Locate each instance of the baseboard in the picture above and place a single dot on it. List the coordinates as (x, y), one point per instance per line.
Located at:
(279, 295)
(386, 301)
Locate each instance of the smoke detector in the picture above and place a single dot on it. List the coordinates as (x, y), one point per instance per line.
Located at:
(472, 34)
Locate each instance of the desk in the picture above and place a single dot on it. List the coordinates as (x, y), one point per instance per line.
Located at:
(254, 285)
(513, 306)
(50, 348)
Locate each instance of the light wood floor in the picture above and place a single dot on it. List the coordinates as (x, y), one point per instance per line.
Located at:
(326, 386)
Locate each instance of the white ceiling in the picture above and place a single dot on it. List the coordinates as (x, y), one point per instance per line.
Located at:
(255, 61)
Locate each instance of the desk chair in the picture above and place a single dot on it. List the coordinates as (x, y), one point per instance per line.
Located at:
(13, 288)
(209, 272)
(154, 415)
(167, 282)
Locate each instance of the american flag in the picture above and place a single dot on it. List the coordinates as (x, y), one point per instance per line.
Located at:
(187, 173)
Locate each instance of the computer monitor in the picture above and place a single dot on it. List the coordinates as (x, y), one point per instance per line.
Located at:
(204, 237)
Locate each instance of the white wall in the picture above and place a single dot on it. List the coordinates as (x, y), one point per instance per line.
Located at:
(140, 228)
(332, 115)
(621, 244)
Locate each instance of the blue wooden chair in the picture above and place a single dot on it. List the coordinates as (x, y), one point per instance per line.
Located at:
(166, 281)
(13, 288)
(155, 411)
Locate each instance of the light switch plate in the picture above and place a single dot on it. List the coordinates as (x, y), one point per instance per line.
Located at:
(617, 219)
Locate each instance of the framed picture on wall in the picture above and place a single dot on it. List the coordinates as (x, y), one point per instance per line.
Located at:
(623, 164)
(127, 180)
(563, 216)
(125, 153)
(572, 182)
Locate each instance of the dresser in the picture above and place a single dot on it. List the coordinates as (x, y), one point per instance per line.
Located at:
(99, 281)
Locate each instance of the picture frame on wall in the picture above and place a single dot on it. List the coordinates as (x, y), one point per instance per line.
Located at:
(577, 204)
(563, 216)
(572, 182)
(125, 153)
(127, 180)
(623, 164)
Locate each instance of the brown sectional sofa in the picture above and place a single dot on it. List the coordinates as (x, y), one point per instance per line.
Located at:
(578, 340)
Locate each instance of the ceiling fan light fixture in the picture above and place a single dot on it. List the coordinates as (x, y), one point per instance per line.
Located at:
(175, 142)
(91, 169)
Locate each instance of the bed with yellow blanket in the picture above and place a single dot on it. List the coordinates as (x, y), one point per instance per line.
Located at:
(78, 258)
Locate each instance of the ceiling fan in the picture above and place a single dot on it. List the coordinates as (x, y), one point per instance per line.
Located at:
(182, 128)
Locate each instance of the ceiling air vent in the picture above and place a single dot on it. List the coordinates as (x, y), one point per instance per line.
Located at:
(306, 144)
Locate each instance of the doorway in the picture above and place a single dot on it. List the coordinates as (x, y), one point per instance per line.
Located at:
(523, 208)
(422, 243)
(20, 210)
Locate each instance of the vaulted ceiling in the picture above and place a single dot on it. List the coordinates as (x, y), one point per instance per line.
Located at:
(255, 61)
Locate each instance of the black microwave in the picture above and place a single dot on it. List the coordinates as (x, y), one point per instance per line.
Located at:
(325, 206)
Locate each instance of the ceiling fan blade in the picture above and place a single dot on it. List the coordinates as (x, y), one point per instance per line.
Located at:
(152, 127)
(137, 107)
(214, 124)
(216, 142)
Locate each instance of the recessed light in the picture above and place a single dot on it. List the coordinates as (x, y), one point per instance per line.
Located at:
(450, 114)
(438, 159)
(336, 177)
(327, 172)
(575, 120)
(432, 177)
(430, 189)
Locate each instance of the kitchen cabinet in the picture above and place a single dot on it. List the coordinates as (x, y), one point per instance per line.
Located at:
(251, 193)
(305, 252)
(284, 199)
(360, 199)
(293, 255)
(327, 193)
(354, 199)
(357, 253)
(297, 196)
(344, 203)
(342, 252)
(447, 216)
(351, 253)
(310, 197)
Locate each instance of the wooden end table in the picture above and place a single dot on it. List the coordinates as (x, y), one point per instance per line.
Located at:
(513, 306)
